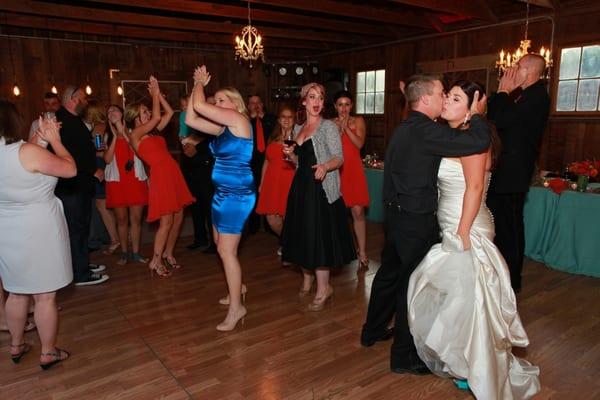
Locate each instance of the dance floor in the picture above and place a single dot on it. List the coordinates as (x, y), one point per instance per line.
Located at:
(142, 337)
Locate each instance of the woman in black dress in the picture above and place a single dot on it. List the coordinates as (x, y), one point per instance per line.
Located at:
(316, 234)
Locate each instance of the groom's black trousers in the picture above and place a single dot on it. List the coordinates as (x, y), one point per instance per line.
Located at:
(408, 237)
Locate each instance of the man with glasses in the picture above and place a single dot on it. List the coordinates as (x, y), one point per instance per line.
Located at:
(77, 193)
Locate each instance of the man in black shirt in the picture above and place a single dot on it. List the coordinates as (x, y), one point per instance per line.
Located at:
(76, 193)
(410, 197)
(520, 121)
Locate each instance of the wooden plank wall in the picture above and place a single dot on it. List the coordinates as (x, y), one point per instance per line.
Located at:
(72, 65)
(565, 140)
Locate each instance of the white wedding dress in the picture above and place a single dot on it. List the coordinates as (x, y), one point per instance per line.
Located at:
(462, 310)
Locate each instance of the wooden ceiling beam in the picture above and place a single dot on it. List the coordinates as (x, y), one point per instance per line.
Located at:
(540, 3)
(223, 41)
(346, 9)
(476, 9)
(241, 13)
(126, 18)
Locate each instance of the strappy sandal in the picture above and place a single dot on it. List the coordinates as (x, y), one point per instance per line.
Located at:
(171, 262)
(122, 259)
(24, 349)
(159, 269)
(112, 247)
(58, 355)
(137, 257)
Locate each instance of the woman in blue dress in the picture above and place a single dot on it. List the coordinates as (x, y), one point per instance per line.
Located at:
(235, 193)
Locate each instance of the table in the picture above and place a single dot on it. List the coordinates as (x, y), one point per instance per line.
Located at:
(563, 231)
(375, 183)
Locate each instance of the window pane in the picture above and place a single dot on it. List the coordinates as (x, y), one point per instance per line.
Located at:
(587, 95)
(590, 62)
(569, 63)
(360, 103)
(370, 103)
(370, 81)
(380, 80)
(360, 82)
(379, 103)
(567, 90)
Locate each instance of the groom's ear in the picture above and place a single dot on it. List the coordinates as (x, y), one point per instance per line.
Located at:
(424, 100)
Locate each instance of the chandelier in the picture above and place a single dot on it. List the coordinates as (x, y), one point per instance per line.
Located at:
(508, 59)
(248, 46)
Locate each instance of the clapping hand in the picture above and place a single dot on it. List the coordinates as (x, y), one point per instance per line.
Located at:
(48, 130)
(479, 106)
(510, 80)
(201, 76)
(153, 86)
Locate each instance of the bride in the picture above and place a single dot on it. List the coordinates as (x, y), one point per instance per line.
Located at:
(462, 310)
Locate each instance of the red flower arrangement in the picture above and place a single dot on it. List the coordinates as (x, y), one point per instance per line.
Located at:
(557, 185)
(587, 167)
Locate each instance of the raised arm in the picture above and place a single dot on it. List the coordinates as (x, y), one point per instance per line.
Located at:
(196, 121)
(237, 122)
(37, 159)
(109, 153)
(167, 115)
(138, 132)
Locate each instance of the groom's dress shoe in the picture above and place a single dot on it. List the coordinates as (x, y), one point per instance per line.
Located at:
(418, 368)
(366, 341)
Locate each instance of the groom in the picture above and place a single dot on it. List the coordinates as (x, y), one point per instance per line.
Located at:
(410, 197)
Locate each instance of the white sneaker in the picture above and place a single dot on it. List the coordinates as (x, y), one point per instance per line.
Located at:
(94, 279)
(95, 268)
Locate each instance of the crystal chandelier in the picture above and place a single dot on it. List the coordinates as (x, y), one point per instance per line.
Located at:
(508, 59)
(249, 46)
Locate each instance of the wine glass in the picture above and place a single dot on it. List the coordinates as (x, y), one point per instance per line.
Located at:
(288, 139)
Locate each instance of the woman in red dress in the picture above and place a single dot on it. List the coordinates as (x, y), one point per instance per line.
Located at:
(126, 185)
(277, 173)
(168, 192)
(352, 176)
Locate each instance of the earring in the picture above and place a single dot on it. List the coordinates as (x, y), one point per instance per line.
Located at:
(467, 118)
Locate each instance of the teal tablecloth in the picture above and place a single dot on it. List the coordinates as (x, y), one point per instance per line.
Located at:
(375, 183)
(563, 231)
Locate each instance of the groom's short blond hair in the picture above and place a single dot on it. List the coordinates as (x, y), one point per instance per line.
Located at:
(420, 85)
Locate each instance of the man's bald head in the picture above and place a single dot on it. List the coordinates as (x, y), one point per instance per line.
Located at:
(535, 62)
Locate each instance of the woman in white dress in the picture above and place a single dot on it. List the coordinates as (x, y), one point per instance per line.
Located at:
(35, 257)
(462, 310)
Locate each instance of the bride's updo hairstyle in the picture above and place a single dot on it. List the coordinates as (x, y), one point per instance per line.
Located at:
(469, 88)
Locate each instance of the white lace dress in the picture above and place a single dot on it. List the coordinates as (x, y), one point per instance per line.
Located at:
(462, 310)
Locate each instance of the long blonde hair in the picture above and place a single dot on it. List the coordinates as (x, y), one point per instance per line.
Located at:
(236, 98)
(132, 111)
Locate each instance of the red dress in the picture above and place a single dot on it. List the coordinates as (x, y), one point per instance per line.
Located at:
(353, 183)
(128, 191)
(168, 190)
(276, 182)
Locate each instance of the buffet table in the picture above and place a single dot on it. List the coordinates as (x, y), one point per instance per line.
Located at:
(563, 231)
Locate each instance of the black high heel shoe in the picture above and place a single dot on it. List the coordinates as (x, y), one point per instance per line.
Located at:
(24, 349)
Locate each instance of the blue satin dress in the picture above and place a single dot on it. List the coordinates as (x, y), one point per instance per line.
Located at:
(235, 193)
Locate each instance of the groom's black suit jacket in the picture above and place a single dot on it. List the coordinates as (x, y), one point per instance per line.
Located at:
(413, 158)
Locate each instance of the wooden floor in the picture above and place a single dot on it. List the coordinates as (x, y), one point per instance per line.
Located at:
(137, 337)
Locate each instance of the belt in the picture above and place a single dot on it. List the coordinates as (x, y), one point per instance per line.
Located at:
(402, 210)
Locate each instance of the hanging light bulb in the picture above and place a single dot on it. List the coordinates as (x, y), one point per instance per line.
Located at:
(16, 90)
(54, 89)
(88, 89)
(120, 90)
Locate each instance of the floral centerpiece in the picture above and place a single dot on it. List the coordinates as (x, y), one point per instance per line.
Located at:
(584, 170)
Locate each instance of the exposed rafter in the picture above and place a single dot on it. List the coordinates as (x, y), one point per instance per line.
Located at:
(471, 8)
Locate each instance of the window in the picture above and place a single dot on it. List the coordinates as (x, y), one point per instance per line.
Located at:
(579, 79)
(370, 88)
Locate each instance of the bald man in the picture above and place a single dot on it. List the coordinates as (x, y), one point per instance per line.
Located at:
(519, 110)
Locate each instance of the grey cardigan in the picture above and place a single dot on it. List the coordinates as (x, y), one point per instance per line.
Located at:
(327, 144)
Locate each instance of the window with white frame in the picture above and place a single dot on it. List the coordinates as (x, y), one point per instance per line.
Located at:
(370, 92)
(579, 79)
